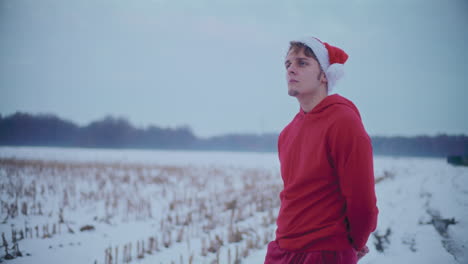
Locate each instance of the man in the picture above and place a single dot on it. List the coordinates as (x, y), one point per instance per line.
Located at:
(328, 204)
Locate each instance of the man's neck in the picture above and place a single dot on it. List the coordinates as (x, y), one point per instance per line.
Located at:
(309, 101)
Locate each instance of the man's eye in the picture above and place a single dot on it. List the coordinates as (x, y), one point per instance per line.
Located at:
(302, 63)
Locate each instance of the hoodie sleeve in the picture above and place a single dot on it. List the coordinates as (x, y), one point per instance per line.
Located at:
(351, 153)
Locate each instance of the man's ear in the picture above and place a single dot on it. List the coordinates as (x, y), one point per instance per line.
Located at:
(323, 77)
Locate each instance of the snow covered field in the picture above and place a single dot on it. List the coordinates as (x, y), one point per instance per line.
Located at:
(69, 205)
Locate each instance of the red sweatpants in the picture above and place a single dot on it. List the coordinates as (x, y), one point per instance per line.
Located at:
(276, 255)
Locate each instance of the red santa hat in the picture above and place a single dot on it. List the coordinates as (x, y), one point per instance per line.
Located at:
(330, 58)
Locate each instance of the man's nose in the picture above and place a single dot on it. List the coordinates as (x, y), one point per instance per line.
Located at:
(292, 70)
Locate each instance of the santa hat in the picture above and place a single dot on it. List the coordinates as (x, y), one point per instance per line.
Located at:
(330, 58)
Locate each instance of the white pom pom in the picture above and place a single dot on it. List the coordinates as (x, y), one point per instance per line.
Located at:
(334, 73)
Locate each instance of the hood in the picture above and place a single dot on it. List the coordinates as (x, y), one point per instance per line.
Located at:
(330, 100)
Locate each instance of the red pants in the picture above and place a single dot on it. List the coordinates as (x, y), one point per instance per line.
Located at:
(276, 255)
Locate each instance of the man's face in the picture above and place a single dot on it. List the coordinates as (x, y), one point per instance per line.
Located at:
(303, 74)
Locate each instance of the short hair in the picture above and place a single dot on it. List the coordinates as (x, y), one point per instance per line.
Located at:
(296, 47)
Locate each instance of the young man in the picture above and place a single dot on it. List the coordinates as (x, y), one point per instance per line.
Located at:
(328, 204)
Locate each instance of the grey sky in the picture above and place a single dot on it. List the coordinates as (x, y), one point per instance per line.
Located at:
(217, 66)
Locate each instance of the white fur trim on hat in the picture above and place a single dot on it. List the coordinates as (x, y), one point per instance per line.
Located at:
(334, 73)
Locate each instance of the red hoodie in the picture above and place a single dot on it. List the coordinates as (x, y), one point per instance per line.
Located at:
(328, 201)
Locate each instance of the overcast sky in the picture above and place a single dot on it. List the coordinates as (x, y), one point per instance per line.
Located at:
(217, 66)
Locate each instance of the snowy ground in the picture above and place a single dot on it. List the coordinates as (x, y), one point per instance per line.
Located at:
(203, 207)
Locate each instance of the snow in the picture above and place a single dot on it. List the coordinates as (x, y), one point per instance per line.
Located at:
(130, 196)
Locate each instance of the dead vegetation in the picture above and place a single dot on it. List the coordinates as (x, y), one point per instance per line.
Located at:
(382, 241)
(217, 205)
(386, 175)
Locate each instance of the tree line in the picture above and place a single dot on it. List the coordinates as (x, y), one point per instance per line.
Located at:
(23, 129)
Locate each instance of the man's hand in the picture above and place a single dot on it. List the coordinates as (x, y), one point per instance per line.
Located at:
(362, 252)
